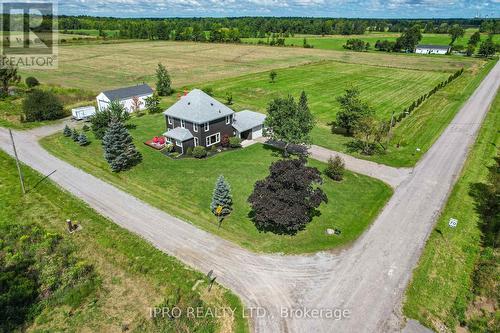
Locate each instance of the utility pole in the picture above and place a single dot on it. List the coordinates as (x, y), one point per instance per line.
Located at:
(21, 178)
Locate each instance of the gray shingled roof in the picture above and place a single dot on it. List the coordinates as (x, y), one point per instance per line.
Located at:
(179, 133)
(128, 92)
(437, 47)
(245, 120)
(198, 107)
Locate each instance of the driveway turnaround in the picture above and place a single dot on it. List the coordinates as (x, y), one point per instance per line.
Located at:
(358, 290)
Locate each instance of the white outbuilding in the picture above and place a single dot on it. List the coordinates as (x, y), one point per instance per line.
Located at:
(83, 113)
(432, 49)
(129, 97)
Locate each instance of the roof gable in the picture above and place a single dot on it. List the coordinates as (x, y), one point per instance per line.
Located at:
(128, 92)
(198, 107)
(436, 47)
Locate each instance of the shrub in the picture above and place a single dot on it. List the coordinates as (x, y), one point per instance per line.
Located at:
(85, 128)
(199, 152)
(234, 142)
(42, 105)
(31, 82)
(335, 168)
(75, 135)
(82, 140)
(67, 131)
(225, 141)
(213, 148)
(189, 151)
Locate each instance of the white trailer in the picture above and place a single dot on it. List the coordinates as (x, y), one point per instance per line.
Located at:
(83, 113)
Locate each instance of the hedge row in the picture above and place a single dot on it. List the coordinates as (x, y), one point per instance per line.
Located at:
(406, 112)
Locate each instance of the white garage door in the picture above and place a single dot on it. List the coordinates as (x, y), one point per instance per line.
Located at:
(257, 132)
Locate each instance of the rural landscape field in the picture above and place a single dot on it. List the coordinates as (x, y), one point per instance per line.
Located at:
(232, 174)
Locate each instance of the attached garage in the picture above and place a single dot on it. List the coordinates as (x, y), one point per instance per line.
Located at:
(248, 125)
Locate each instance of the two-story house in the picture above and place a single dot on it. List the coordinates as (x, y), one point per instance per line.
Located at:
(198, 119)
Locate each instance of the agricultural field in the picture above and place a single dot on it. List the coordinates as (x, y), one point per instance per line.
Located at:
(184, 188)
(336, 42)
(98, 66)
(386, 89)
(131, 276)
(441, 291)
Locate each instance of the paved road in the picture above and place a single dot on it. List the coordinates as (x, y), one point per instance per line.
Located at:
(367, 279)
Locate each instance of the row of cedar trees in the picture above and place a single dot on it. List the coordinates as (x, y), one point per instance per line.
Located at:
(406, 112)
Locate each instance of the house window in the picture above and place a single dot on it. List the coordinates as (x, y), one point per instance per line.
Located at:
(183, 123)
(213, 139)
(228, 120)
(169, 120)
(196, 143)
(195, 127)
(206, 126)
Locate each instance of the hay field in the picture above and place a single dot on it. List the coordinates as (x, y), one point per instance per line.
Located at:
(99, 66)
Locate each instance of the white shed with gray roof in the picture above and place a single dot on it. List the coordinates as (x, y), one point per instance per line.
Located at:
(126, 96)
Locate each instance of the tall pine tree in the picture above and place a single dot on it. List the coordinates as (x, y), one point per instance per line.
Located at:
(221, 197)
(163, 83)
(119, 150)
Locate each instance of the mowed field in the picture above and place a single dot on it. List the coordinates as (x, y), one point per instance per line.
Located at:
(336, 42)
(100, 66)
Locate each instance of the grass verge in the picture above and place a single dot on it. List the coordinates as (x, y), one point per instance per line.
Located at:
(441, 287)
(133, 275)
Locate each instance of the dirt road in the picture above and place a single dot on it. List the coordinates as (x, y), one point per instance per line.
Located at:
(367, 281)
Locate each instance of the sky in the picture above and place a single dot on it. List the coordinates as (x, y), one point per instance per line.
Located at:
(313, 8)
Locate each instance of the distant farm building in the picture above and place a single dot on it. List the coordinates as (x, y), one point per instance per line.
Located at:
(433, 49)
(128, 97)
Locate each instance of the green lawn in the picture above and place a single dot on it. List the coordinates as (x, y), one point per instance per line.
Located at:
(387, 89)
(441, 286)
(337, 42)
(133, 276)
(184, 188)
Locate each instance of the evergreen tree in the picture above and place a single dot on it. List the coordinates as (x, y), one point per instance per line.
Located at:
(221, 197)
(119, 150)
(163, 83)
(75, 135)
(82, 140)
(67, 131)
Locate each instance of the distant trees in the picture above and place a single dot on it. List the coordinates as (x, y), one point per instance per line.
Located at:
(286, 200)
(356, 45)
(455, 32)
(474, 40)
(385, 45)
(409, 39)
(41, 105)
(101, 119)
(119, 150)
(487, 48)
(290, 122)
(222, 199)
(163, 82)
(8, 75)
(352, 109)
